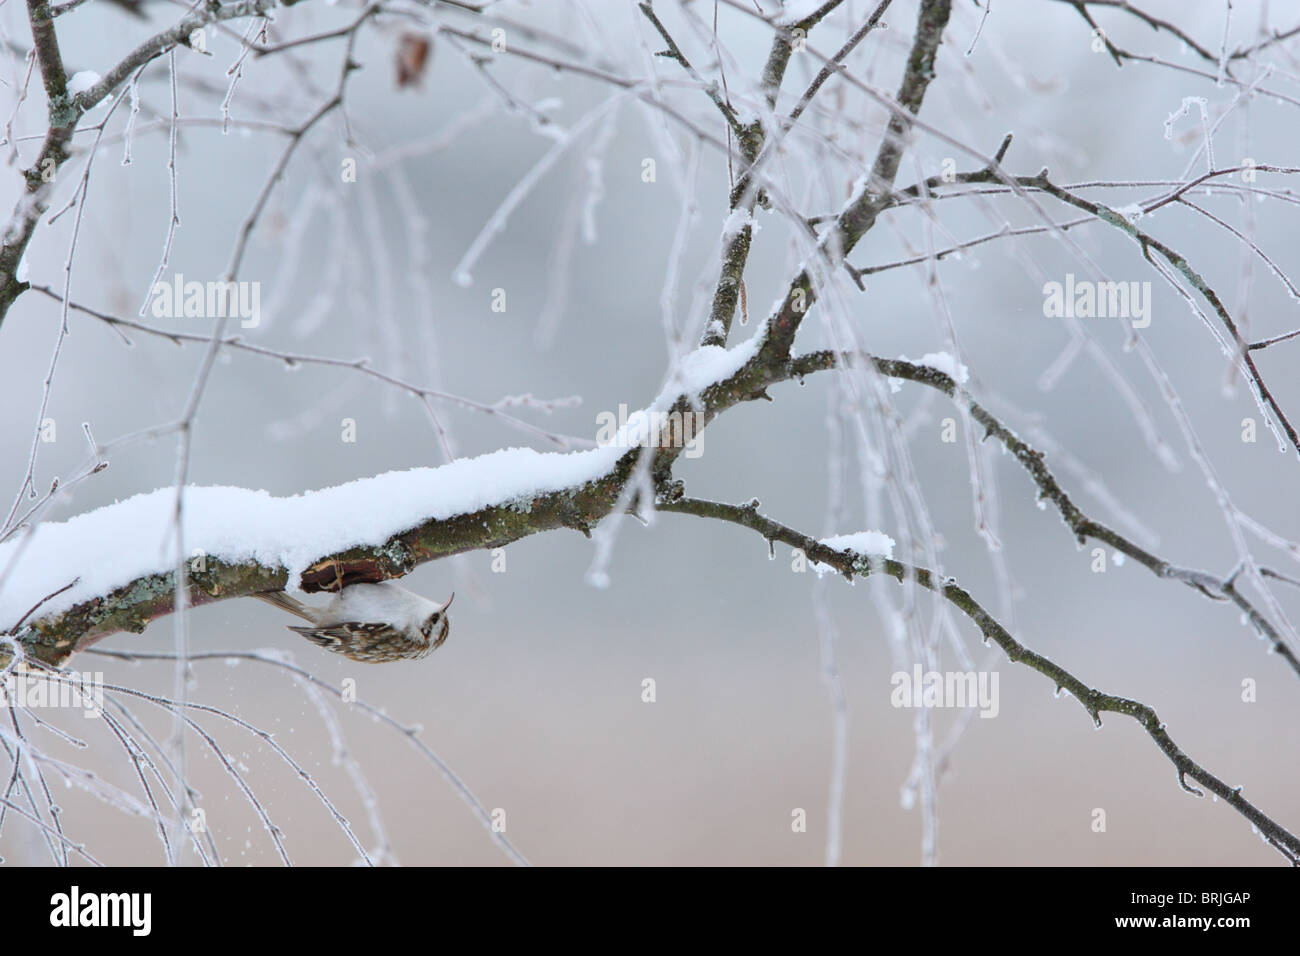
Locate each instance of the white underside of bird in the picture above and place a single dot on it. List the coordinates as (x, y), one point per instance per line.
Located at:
(362, 603)
(370, 622)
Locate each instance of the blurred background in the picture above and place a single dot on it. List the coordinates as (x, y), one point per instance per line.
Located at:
(536, 699)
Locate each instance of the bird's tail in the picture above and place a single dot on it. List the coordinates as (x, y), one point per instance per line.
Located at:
(285, 603)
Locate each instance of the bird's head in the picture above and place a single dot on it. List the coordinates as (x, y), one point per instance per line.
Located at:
(437, 624)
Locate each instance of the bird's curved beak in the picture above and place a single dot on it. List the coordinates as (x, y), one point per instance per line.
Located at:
(448, 602)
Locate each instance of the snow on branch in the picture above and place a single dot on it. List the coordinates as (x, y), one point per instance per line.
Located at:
(113, 567)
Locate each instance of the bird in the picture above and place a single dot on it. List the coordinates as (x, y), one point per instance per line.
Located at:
(371, 623)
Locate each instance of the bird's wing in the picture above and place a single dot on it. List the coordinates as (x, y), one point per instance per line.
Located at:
(338, 634)
(285, 603)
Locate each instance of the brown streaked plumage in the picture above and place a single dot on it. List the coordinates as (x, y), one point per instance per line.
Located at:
(371, 623)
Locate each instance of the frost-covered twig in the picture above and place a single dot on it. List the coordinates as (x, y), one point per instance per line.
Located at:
(1149, 244)
(860, 213)
(1080, 524)
(65, 110)
(852, 564)
(362, 365)
(318, 685)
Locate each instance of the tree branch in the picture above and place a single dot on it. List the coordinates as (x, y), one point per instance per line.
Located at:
(64, 113)
(744, 195)
(1148, 243)
(130, 607)
(1049, 488)
(1095, 702)
(877, 193)
(54, 152)
(673, 52)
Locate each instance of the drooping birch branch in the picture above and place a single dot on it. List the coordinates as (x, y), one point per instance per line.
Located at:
(1095, 702)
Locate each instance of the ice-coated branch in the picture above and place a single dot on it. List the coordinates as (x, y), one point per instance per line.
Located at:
(1083, 526)
(754, 141)
(1148, 244)
(852, 564)
(672, 51)
(1118, 54)
(876, 192)
(65, 110)
(54, 152)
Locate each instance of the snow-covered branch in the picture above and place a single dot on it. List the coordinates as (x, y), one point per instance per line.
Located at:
(112, 567)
